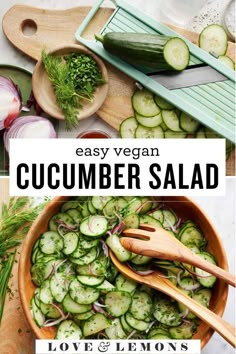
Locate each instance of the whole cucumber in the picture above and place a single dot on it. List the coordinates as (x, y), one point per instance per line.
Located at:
(148, 50)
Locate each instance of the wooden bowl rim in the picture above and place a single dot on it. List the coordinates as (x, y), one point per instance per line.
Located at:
(27, 241)
(99, 95)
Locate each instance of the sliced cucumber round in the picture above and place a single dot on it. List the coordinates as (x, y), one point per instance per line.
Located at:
(128, 127)
(188, 123)
(94, 226)
(144, 103)
(176, 53)
(149, 133)
(213, 39)
(149, 122)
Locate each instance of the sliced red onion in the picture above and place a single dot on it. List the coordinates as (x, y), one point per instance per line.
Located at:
(10, 102)
(131, 334)
(98, 304)
(141, 272)
(187, 287)
(117, 229)
(27, 127)
(105, 248)
(99, 309)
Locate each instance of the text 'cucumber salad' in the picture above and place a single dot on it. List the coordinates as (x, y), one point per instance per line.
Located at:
(80, 291)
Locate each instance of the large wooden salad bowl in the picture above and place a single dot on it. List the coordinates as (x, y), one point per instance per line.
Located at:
(184, 208)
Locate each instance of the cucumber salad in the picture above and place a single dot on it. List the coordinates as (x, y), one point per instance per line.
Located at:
(79, 290)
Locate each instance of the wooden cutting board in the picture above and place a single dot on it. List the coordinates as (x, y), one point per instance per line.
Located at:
(57, 27)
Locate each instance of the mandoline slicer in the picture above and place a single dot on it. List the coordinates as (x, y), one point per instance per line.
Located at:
(212, 104)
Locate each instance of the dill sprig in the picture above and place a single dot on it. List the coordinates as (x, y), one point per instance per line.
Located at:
(74, 78)
(16, 218)
(64, 90)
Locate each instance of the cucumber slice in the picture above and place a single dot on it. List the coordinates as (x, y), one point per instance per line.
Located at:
(213, 39)
(37, 314)
(125, 284)
(144, 104)
(68, 329)
(59, 286)
(95, 324)
(100, 202)
(71, 306)
(87, 244)
(149, 133)
(139, 260)
(116, 331)
(128, 128)
(203, 296)
(49, 310)
(83, 316)
(171, 120)
(166, 312)
(170, 219)
(149, 122)
(141, 305)
(227, 61)
(50, 242)
(45, 294)
(169, 134)
(125, 325)
(91, 208)
(131, 221)
(90, 280)
(184, 331)
(188, 123)
(176, 53)
(117, 302)
(206, 279)
(88, 258)
(60, 219)
(147, 219)
(82, 294)
(162, 103)
(113, 206)
(158, 331)
(136, 324)
(71, 204)
(84, 209)
(105, 286)
(193, 236)
(75, 215)
(121, 253)
(158, 215)
(70, 242)
(94, 226)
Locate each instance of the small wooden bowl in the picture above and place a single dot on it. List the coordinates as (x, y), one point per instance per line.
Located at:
(43, 90)
(184, 208)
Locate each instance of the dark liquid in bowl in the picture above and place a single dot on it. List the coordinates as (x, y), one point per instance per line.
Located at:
(93, 135)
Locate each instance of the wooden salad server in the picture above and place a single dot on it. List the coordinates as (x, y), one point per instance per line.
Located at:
(156, 281)
(156, 242)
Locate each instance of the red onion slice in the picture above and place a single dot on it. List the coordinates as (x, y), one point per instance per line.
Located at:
(27, 127)
(10, 102)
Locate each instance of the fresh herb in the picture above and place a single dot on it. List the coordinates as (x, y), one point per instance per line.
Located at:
(16, 218)
(5, 273)
(74, 78)
(85, 73)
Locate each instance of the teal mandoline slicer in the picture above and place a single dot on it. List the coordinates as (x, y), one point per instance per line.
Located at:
(213, 104)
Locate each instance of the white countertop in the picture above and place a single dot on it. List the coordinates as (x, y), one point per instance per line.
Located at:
(221, 211)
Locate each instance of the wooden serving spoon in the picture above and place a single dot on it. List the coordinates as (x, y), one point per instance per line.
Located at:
(156, 281)
(156, 242)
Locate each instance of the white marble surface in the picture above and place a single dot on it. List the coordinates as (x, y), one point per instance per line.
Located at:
(220, 210)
